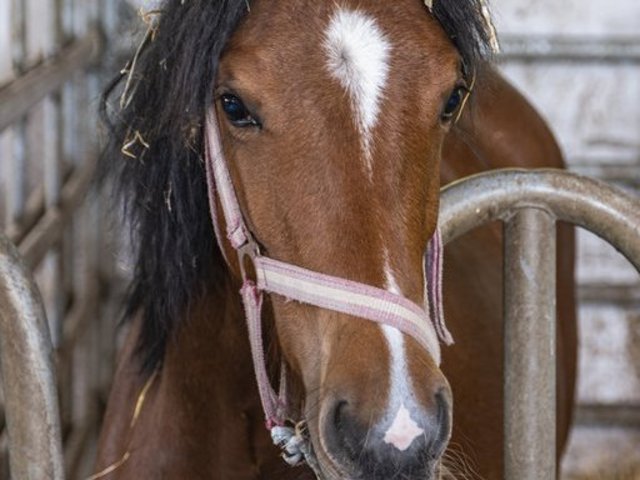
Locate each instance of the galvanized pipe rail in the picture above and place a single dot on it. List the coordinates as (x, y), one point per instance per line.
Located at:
(26, 360)
(571, 49)
(529, 202)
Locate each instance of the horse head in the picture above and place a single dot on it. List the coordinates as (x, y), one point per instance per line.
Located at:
(331, 118)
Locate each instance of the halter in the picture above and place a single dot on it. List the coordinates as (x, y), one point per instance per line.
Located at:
(296, 283)
(313, 288)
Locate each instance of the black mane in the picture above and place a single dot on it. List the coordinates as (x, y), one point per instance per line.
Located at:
(465, 25)
(162, 179)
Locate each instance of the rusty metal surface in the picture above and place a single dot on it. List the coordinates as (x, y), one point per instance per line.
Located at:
(530, 345)
(27, 370)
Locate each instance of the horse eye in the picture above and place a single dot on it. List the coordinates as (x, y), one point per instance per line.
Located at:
(236, 111)
(454, 104)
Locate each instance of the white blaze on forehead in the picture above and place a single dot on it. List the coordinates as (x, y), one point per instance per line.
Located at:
(358, 57)
(399, 373)
(403, 430)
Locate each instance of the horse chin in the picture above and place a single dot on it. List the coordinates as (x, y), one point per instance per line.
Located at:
(327, 470)
(326, 467)
(328, 463)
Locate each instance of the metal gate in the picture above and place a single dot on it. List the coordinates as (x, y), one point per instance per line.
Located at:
(529, 202)
(578, 63)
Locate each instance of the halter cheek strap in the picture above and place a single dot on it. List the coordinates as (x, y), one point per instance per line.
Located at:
(313, 288)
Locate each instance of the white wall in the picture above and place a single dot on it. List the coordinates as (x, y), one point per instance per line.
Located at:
(567, 17)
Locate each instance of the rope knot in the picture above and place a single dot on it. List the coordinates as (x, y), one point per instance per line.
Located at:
(296, 446)
(293, 442)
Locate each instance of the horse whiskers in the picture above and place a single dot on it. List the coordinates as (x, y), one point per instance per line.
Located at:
(455, 466)
(367, 436)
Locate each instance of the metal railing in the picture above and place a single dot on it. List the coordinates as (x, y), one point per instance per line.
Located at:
(26, 360)
(530, 203)
(570, 49)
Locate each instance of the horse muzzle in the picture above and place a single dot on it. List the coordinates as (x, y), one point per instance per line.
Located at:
(407, 444)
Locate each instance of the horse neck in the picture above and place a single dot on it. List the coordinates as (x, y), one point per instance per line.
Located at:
(203, 412)
(209, 359)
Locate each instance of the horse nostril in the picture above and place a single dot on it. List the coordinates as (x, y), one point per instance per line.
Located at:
(443, 423)
(339, 413)
(343, 431)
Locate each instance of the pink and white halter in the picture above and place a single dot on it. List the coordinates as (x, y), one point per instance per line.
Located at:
(313, 288)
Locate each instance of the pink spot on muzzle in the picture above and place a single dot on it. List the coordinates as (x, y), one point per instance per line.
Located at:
(403, 431)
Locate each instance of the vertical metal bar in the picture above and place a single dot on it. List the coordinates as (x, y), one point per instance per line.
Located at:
(68, 131)
(108, 17)
(28, 374)
(78, 367)
(80, 18)
(18, 34)
(52, 176)
(17, 165)
(6, 137)
(530, 346)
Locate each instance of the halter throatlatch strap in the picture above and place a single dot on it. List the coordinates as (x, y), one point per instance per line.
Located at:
(433, 268)
(313, 288)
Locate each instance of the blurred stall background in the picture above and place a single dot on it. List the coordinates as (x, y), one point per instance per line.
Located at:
(578, 61)
(55, 56)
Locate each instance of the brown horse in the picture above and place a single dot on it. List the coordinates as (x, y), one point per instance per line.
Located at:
(338, 120)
